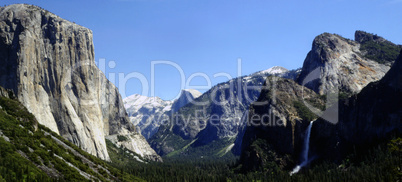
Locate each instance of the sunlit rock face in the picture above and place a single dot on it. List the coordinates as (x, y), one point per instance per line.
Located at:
(339, 63)
(49, 64)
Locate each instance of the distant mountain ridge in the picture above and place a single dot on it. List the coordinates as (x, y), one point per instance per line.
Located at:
(228, 101)
(148, 113)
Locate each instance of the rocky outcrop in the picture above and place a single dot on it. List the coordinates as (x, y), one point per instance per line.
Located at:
(4, 92)
(186, 96)
(49, 64)
(135, 143)
(336, 63)
(146, 113)
(217, 115)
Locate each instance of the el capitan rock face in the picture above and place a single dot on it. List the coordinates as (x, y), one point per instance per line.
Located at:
(49, 64)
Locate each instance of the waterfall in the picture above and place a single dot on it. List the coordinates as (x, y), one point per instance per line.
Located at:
(305, 150)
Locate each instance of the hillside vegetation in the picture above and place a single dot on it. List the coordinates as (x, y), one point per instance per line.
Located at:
(32, 152)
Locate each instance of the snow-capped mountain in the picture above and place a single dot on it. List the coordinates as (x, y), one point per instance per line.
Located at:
(275, 70)
(146, 112)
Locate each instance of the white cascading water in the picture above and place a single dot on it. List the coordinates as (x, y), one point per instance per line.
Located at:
(305, 150)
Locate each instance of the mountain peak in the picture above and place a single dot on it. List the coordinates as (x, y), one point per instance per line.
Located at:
(340, 63)
(193, 92)
(137, 101)
(186, 96)
(276, 70)
(329, 41)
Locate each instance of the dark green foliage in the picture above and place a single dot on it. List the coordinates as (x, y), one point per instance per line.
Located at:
(17, 124)
(303, 111)
(269, 160)
(382, 52)
(121, 138)
(380, 163)
(13, 167)
(171, 169)
(35, 141)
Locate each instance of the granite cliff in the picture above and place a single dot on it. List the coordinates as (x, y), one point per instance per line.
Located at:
(48, 63)
(335, 62)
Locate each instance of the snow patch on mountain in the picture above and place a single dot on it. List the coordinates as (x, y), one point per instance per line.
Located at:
(146, 113)
(275, 70)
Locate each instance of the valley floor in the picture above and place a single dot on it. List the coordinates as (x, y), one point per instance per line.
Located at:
(381, 163)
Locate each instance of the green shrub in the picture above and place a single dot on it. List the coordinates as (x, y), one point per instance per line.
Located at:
(382, 52)
(121, 138)
(303, 111)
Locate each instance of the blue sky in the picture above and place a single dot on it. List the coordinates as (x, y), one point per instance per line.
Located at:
(206, 37)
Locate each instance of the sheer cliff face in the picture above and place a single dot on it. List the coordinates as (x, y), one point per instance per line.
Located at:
(49, 63)
(339, 63)
(376, 111)
(371, 116)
